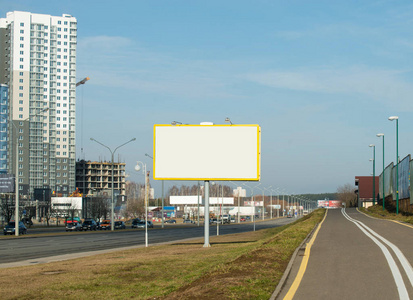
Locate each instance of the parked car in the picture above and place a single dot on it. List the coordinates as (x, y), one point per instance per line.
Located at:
(75, 219)
(141, 224)
(187, 221)
(11, 227)
(120, 225)
(74, 226)
(243, 219)
(171, 221)
(89, 224)
(105, 224)
(135, 222)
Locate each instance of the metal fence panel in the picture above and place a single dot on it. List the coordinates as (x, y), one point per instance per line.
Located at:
(404, 174)
(387, 180)
(393, 182)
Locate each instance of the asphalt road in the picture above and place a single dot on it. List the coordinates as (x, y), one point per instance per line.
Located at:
(356, 257)
(58, 242)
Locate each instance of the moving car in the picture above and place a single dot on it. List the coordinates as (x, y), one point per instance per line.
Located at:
(120, 225)
(105, 224)
(141, 224)
(135, 223)
(74, 226)
(89, 224)
(11, 226)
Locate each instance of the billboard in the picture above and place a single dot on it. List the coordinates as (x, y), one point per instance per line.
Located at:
(256, 203)
(193, 200)
(207, 152)
(329, 203)
(7, 183)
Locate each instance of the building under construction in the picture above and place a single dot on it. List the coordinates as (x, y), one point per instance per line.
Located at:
(94, 177)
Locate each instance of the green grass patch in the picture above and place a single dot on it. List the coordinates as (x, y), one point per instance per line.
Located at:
(378, 212)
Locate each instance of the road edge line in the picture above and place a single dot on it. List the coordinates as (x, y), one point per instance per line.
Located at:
(296, 283)
(287, 271)
(394, 221)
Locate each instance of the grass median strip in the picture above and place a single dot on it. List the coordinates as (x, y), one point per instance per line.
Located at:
(238, 266)
(378, 212)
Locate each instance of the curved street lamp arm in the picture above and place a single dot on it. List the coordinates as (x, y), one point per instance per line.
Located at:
(131, 140)
(92, 139)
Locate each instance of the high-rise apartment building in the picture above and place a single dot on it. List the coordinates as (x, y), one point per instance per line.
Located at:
(4, 116)
(38, 64)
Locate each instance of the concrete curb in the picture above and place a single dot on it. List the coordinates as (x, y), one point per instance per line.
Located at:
(290, 265)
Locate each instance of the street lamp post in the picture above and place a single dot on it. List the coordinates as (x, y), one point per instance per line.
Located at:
(263, 203)
(112, 225)
(269, 188)
(382, 176)
(138, 168)
(162, 210)
(397, 160)
(278, 202)
(374, 172)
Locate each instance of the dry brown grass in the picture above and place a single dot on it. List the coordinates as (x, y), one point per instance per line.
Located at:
(378, 212)
(238, 266)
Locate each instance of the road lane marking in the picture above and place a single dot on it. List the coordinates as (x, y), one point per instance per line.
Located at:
(293, 289)
(401, 288)
(403, 260)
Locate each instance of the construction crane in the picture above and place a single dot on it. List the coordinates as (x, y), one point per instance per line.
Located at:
(83, 81)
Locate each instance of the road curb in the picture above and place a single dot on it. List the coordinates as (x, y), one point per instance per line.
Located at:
(290, 265)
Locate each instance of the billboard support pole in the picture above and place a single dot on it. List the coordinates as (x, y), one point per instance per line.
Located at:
(206, 215)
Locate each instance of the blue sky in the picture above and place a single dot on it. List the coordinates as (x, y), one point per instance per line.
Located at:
(320, 78)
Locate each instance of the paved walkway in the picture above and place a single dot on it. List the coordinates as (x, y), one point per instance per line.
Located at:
(354, 257)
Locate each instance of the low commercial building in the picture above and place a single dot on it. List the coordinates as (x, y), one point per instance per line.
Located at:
(365, 190)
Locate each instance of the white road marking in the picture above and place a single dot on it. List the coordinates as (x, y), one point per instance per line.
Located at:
(401, 288)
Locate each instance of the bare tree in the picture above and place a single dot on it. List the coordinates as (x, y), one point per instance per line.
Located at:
(48, 212)
(100, 208)
(345, 193)
(7, 208)
(135, 195)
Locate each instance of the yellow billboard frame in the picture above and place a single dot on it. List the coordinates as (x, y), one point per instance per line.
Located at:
(258, 151)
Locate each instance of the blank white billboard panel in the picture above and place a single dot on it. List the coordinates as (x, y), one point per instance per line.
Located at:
(207, 152)
(193, 200)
